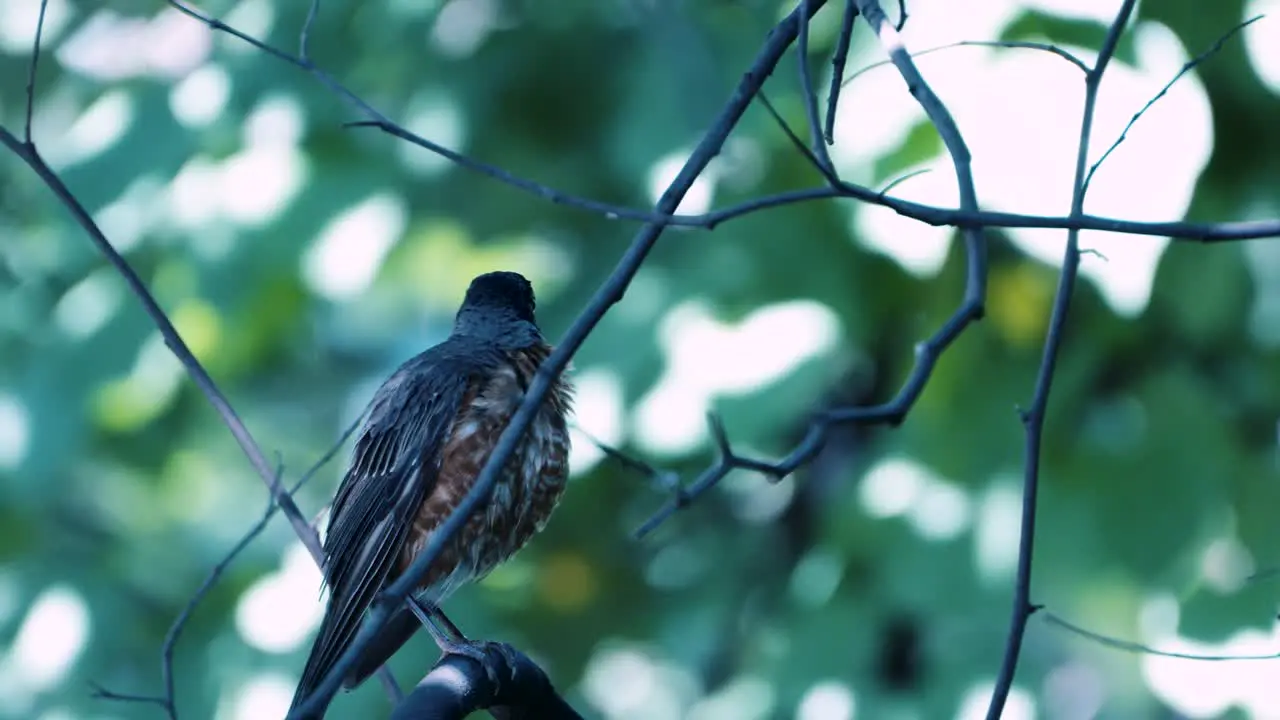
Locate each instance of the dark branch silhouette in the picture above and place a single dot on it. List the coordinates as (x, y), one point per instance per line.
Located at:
(820, 153)
(168, 701)
(1139, 648)
(458, 686)
(838, 59)
(1033, 418)
(1186, 67)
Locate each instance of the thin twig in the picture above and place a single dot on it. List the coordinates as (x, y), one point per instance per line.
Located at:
(1004, 44)
(810, 97)
(304, 38)
(665, 480)
(936, 216)
(927, 352)
(1133, 647)
(31, 156)
(899, 180)
(102, 693)
(31, 74)
(1186, 68)
(1199, 232)
(838, 59)
(180, 624)
(215, 574)
(824, 168)
(375, 118)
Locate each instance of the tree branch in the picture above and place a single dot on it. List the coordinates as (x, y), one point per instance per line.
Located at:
(1186, 67)
(838, 59)
(27, 151)
(1033, 419)
(609, 293)
(936, 216)
(458, 686)
(1134, 647)
(927, 352)
(810, 97)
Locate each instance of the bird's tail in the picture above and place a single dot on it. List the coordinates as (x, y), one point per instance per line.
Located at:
(329, 647)
(325, 651)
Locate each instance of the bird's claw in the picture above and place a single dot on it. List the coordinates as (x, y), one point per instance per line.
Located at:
(484, 652)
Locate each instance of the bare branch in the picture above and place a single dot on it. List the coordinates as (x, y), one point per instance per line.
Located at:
(1186, 67)
(304, 38)
(938, 217)
(102, 693)
(609, 293)
(1033, 418)
(375, 118)
(823, 167)
(1006, 44)
(27, 151)
(1139, 648)
(810, 96)
(179, 625)
(899, 180)
(280, 497)
(613, 212)
(665, 480)
(838, 60)
(947, 130)
(31, 75)
(458, 686)
(927, 353)
(1205, 232)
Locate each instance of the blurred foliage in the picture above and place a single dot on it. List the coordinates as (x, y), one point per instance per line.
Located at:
(127, 488)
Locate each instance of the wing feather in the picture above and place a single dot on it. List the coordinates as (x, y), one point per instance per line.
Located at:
(393, 469)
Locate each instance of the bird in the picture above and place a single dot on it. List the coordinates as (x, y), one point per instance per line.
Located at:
(427, 432)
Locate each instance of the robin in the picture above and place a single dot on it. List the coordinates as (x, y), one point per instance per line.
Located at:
(427, 433)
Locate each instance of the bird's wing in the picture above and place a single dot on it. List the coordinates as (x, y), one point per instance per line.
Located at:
(393, 469)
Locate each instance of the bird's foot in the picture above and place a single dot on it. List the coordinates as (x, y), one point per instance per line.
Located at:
(499, 660)
(490, 655)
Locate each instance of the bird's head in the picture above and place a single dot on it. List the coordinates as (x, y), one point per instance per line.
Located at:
(497, 304)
